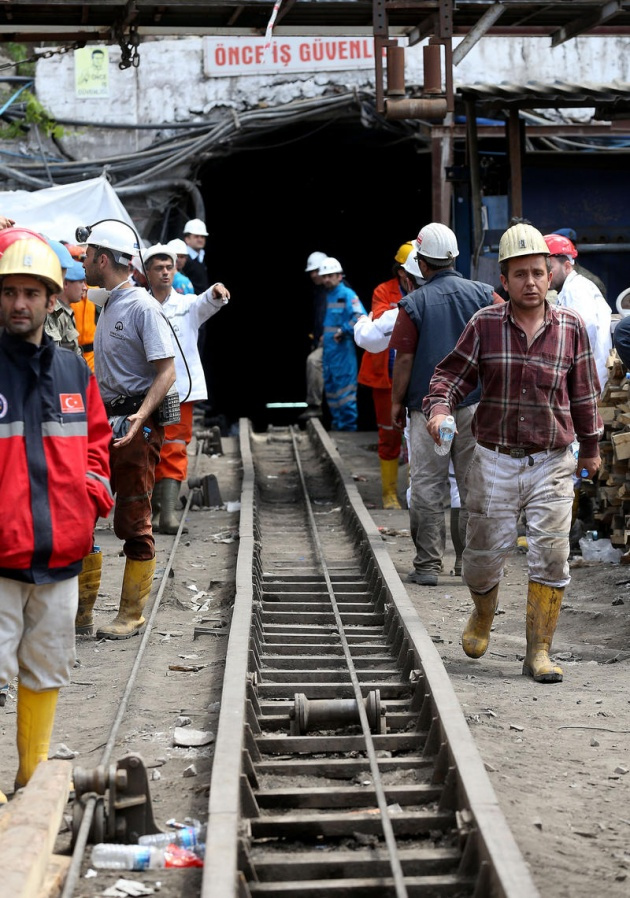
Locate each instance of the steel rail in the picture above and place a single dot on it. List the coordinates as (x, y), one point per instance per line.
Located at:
(490, 864)
(83, 833)
(388, 831)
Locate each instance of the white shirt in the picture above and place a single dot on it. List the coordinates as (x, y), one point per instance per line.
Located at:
(187, 313)
(581, 295)
(374, 335)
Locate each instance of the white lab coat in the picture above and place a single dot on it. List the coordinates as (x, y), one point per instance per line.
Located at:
(581, 295)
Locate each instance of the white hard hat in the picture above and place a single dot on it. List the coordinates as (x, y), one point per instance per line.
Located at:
(314, 261)
(411, 265)
(115, 235)
(195, 226)
(437, 242)
(522, 240)
(623, 303)
(178, 246)
(330, 265)
(159, 249)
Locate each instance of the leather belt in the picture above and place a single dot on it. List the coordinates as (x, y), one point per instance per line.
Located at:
(521, 452)
(87, 347)
(123, 405)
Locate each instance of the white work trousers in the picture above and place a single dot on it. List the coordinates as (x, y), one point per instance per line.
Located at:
(498, 488)
(38, 643)
(315, 378)
(429, 473)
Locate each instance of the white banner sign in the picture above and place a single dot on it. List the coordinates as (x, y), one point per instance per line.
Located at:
(248, 56)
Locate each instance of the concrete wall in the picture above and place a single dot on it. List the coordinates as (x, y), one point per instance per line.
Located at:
(170, 86)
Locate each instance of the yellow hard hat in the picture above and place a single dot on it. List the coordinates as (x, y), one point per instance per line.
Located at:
(522, 240)
(35, 258)
(403, 252)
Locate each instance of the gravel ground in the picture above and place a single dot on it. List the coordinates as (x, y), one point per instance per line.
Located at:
(558, 755)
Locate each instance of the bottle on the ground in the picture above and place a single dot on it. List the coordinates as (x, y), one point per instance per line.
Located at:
(447, 432)
(186, 836)
(109, 856)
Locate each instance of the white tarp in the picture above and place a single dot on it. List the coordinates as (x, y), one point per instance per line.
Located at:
(58, 211)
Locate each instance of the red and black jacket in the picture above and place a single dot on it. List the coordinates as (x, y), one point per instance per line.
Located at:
(54, 460)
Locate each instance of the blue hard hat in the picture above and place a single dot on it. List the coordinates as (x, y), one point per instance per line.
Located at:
(76, 272)
(566, 232)
(63, 253)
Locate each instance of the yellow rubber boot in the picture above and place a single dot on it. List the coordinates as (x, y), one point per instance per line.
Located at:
(89, 583)
(389, 479)
(543, 608)
(476, 634)
(35, 719)
(137, 581)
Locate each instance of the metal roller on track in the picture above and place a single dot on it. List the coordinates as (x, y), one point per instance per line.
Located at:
(343, 763)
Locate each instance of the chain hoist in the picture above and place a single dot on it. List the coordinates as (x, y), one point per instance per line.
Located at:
(129, 55)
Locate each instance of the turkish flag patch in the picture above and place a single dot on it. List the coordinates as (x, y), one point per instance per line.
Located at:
(71, 403)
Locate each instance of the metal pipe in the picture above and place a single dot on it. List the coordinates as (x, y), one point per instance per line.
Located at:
(432, 66)
(434, 108)
(603, 247)
(395, 71)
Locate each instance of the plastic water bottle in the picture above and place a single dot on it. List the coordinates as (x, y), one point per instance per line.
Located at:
(187, 836)
(447, 432)
(109, 856)
(576, 452)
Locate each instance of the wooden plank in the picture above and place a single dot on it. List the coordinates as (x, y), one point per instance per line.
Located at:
(55, 878)
(29, 826)
(621, 442)
(608, 413)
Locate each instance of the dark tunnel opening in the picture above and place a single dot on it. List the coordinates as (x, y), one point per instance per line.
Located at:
(354, 193)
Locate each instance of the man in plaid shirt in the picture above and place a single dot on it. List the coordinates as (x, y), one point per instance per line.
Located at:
(539, 389)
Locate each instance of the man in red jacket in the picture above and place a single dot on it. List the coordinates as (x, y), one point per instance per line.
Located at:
(54, 482)
(376, 372)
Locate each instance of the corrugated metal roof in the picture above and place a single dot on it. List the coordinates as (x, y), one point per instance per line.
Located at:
(97, 19)
(613, 98)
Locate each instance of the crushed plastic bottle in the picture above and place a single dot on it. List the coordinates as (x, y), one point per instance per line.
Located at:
(110, 856)
(184, 836)
(447, 432)
(583, 475)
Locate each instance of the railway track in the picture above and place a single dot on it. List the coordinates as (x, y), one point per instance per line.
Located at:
(343, 763)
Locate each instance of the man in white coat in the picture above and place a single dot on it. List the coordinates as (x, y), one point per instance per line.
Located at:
(186, 314)
(580, 294)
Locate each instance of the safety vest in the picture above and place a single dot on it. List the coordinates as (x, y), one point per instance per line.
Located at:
(86, 315)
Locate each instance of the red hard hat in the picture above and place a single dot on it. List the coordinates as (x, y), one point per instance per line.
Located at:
(10, 235)
(560, 246)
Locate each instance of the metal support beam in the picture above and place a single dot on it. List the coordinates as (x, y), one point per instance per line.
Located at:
(475, 181)
(427, 27)
(441, 158)
(579, 26)
(477, 31)
(516, 168)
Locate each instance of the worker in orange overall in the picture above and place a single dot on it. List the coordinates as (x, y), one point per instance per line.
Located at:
(376, 372)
